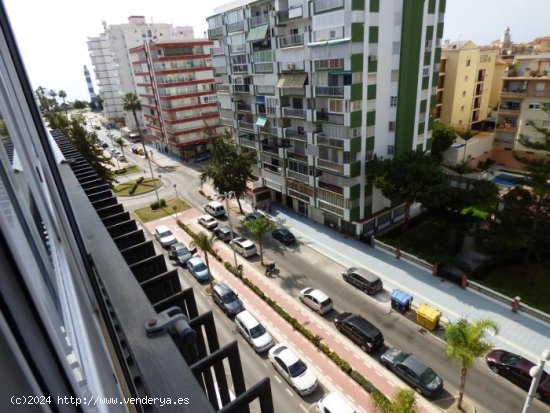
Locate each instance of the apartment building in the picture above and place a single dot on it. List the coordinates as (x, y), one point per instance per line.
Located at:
(470, 81)
(175, 83)
(111, 61)
(315, 89)
(525, 91)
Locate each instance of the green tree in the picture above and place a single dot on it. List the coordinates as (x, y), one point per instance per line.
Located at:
(404, 402)
(443, 137)
(465, 342)
(99, 102)
(80, 104)
(121, 144)
(230, 169)
(539, 174)
(406, 179)
(206, 244)
(132, 104)
(258, 228)
(62, 94)
(46, 100)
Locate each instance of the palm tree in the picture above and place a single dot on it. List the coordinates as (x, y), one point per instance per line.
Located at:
(206, 244)
(404, 402)
(466, 343)
(120, 142)
(62, 94)
(258, 228)
(131, 103)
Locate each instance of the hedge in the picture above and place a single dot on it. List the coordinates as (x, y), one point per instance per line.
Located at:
(211, 251)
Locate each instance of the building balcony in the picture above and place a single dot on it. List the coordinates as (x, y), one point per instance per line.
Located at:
(291, 40)
(513, 93)
(240, 68)
(506, 127)
(243, 107)
(323, 140)
(320, 6)
(265, 56)
(216, 32)
(300, 186)
(290, 112)
(295, 134)
(265, 90)
(244, 125)
(235, 27)
(220, 87)
(336, 118)
(505, 111)
(297, 156)
(329, 64)
(227, 122)
(271, 168)
(297, 176)
(263, 67)
(248, 143)
(219, 71)
(291, 67)
(237, 48)
(293, 91)
(337, 91)
(269, 148)
(270, 130)
(330, 166)
(259, 20)
(218, 51)
(241, 88)
(294, 13)
(331, 187)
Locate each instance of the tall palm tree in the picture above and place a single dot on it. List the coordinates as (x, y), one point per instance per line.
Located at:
(206, 244)
(258, 228)
(62, 94)
(121, 144)
(403, 402)
(465, 342)
(131, 103)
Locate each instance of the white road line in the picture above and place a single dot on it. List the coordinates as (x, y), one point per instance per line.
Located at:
(289, 392)
(278, 379)
(339, 387)
(356, 356)
(303, 407)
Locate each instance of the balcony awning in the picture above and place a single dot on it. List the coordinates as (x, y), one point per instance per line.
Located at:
(292, 80)
(261, 121)
(257, 33)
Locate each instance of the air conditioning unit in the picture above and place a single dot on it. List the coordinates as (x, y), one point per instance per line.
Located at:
(290, 66)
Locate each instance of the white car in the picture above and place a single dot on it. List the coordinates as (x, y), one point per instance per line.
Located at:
(208, 222)
(316, 299)
(293, 369)
(244, 246)
(253, 331)
(165, 236)
(334, 403)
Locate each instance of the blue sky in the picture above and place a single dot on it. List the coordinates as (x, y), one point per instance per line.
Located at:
(52, 34)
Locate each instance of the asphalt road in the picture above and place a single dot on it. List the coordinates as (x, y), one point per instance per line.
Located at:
(300, 267)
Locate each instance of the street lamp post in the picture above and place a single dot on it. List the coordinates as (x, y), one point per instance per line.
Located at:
(176, 202)
(536, 374)
(156, 189)
(226, 196)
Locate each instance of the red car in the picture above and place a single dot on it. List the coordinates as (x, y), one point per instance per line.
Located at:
(516, 369)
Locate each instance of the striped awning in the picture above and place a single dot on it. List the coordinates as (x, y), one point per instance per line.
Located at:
(257, 33)
(292, 80)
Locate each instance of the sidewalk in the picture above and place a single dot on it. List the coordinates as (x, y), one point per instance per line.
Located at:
(329, 375)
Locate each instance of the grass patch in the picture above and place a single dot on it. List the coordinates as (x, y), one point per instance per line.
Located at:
(147, 214)
(508, 281)
(475, 212)
(146, 185)
(128, 170)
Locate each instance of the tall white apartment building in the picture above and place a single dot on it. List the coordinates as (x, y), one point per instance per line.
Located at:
(110, 57)
(315, 89)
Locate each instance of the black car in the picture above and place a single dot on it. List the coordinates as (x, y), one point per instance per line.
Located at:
(284, 235)
(360, 331)
(223, 233)
(363, 279)
(412, 371)
(226, 298)
(516, 369)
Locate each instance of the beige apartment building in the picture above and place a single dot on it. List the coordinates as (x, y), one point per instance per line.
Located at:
(470, 81)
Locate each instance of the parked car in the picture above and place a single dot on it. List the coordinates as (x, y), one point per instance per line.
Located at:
(253, 332)
(121, 157)
(134, 148)
(202, 157)
(413, 372)
(360, 331)
(284, 235)
(363, 279)
(244, 246)
(334, 403)
(226, 298)
(293, 369)
(208, 222)
(223, 233)
(180, 253)
(165, 236)
(253, 216)
(516, 369)
(214, 208)
(103, 144)
(316, 299)
(198, 269)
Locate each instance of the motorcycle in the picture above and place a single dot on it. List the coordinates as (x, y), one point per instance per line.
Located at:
(269, 268)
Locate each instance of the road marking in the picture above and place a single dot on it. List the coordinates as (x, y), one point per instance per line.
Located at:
(356, 356)
(339, 387)
(278, 379)
(303, 407)
(289, 392)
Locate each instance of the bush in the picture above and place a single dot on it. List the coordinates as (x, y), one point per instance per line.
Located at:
(120, 171)
(162, 203)
(154, 206)
(140, 180)
(212, 252)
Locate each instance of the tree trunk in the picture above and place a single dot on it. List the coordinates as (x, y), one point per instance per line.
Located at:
(261, 250)
(239, 203)
(461, 386)
(140, 135)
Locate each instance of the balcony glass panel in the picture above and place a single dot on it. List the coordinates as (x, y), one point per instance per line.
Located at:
(324, 5)
(246, 125)
(259, 20)
(291, 40)
(294, 113)
(329, 90)
(241, 88)
(295, 134)
(336, 118)
(235, 27)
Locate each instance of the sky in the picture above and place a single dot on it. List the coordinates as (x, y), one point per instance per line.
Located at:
(52, 34)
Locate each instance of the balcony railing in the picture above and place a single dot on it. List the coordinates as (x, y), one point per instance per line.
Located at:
(240, 68)
(263, 67)
(297, 175)
(296, 156)
(333, 142)
(235, 27)
(227, 122)
(241, 88)
(259, 20)
(291, 67)
(333, 166)
(292, 13)
(220, 71)
(218, 31)
(329, 90)
(295, 134)
(238, 48)
(291, 40)
(246, 125)
(265, 90)
(243, 107)
(274, 149)
(218, 51)
(248, 143)
(220, 87)
(336, 118)
(263, 56)
(294, 113)
(271, 130)
(324, 5)
(329, 64)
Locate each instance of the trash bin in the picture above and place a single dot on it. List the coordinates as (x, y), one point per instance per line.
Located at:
(427, 316)
(400, 301)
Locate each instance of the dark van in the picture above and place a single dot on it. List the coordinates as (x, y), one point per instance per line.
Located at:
(360, 331)
(363, 279)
